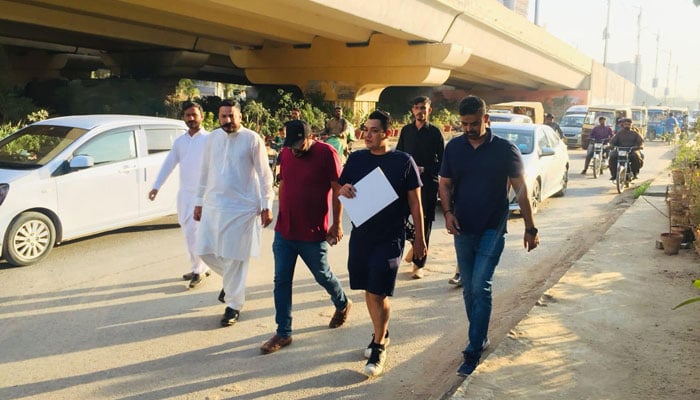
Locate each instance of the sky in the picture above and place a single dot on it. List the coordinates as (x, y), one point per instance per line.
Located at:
(581, 23)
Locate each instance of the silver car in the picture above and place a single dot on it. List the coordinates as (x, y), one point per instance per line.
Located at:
(572, 125)
(67, 177)
(545, 158)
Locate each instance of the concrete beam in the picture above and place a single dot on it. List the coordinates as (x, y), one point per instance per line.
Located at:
(352, 72)
(145, 64)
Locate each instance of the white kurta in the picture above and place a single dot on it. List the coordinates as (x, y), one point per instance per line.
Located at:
(235, 185)
(188, 152)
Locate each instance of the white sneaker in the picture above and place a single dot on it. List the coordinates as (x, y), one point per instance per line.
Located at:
(377, 359)
(455, 280)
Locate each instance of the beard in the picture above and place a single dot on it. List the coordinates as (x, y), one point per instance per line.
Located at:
(193, 124)
(474, 135)
(228, 127)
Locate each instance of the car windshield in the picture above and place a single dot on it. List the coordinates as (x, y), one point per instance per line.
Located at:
(35, 145)
(575, 121)
(593, 115)
(524, 139)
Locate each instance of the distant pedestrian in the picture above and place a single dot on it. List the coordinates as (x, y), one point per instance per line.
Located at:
(474, 179)
(424, 142)
(309, 172)
(339, 132)
(187, 152)
(376, 245)
(234, 202)
(549, 121)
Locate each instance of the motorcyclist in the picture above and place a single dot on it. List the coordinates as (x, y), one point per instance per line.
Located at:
(626, 138)
(601, 133)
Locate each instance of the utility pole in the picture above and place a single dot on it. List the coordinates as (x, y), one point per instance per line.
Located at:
(637, 57)
(655, 82)
(675, 86)
(537, 12)
(606, 36)
(668, 78)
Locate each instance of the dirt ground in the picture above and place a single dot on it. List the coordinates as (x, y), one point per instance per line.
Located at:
(606, 329)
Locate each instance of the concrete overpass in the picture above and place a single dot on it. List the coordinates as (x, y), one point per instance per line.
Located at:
(349, 50)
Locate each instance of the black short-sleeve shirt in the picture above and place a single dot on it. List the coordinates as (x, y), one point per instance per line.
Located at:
(480, 181)
(402, 173)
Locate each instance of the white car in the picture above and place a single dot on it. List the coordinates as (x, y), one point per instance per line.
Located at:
(545, 157)
(67, 177)
(508, 117)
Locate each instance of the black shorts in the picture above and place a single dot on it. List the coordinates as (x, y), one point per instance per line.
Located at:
(373, 266)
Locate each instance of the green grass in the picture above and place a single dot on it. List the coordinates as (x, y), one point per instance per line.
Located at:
(639, 190)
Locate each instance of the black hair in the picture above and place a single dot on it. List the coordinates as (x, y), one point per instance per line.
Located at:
(230, 103)
(189, 104)
(383, 117)
(471, 105)
(421, 99)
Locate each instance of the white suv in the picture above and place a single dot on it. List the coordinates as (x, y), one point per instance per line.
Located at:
(67, 177)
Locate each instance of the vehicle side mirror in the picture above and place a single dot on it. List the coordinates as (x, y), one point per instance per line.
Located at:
(81, 162)
(547, 151)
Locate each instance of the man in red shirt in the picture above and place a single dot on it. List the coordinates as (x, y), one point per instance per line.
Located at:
(309, 172)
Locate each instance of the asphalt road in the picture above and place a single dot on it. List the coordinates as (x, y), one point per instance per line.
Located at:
(107, 317)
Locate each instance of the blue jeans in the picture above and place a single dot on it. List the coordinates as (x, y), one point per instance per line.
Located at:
(315, 256)
(477, 257)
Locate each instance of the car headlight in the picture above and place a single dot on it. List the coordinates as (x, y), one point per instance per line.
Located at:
(4, 188)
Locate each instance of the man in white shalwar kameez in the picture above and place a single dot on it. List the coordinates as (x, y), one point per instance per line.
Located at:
(234, 189)
(187, 151)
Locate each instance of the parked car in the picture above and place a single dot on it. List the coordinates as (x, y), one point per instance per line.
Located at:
(545, 158)
(67, 177)
(508, 117)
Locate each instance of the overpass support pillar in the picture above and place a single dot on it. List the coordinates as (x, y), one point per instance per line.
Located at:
(352, 75)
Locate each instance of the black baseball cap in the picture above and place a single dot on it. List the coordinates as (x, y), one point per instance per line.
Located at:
(296, 130)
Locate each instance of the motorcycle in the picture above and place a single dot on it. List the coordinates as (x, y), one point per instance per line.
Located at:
(599, 156)
(624, 175)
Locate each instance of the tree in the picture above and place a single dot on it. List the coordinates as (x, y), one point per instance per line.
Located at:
(187, 89)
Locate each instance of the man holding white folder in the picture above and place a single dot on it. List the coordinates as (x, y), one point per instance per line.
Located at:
(377, 243)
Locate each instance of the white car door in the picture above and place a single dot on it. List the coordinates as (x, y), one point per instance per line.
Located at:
(556, 165)
(155, 143)
(104, 196)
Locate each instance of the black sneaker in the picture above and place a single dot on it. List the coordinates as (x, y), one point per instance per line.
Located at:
(188, 276)
(612, 178)
(368, 350)
(471, 360)
(375, 364)
(222, 296)
(230, 317)
(196, 280)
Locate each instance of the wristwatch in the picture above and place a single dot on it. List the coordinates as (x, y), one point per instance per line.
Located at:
(531, 231)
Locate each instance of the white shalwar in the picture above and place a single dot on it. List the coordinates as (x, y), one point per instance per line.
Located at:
(235, 186)
(187, 151)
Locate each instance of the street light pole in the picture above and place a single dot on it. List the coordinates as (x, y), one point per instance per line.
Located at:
(606, 36)
(637, 57)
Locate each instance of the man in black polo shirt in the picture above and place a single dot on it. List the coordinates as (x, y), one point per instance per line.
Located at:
(424, 142)
(474, 177)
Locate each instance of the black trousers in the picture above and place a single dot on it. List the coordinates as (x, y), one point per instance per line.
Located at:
(429, 202)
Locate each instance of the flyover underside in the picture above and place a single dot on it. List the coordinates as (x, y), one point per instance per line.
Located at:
(481, 44)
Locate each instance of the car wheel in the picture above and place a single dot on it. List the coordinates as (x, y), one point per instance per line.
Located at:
(30, 239)
(535, 197)
(564, 184)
